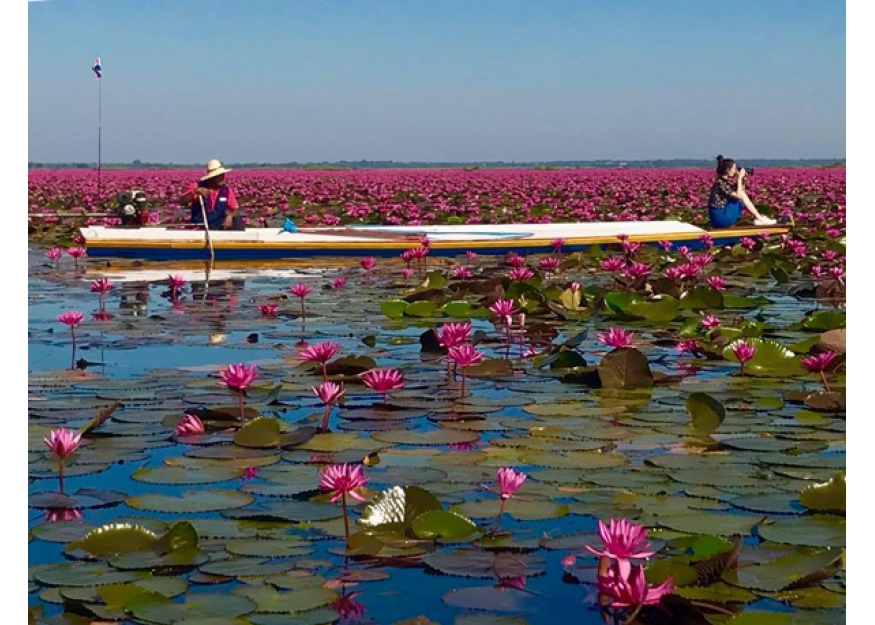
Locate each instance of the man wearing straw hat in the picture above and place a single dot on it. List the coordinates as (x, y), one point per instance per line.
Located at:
(219, 201)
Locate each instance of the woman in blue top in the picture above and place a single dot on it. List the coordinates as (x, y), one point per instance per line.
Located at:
(728, 196)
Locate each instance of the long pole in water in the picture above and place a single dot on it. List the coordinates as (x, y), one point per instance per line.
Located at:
(99, 134)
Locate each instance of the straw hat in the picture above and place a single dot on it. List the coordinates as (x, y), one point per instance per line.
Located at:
(214, 168)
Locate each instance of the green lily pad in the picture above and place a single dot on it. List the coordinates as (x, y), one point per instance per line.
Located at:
(394, 309)
(826, 497)
(485, 565)
(708, 523)
(115, 538)
(487, 598)
(185, 475)
(191, 501)
(794, 570)
(770, 360)
(431, 437)
(395, 509)
(197, 608)
(261, 432)
(442, 524)
(520, 510)
(818, 530)
(706, 413)
(625, 368)
(268, 600)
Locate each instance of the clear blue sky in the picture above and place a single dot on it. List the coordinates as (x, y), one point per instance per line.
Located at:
(443, 80)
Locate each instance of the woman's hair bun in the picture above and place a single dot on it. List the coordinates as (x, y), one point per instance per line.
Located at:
(719, 158)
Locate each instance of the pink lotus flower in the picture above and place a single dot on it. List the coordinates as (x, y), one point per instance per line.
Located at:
(551, 263)
(76, 252)
(520, 274)
(630, 247)
(464, 356)
(238, 378)
(347, 608)
(684, 251)
(406, 273)
(453, 334)
(574, 287)
(612, 264)
(557, 245)
(338, 283)
(71, 318)
(471, 255)
(818, 362)
(62, 515)
(672, 273)
(504, 308)
(616, 337)
(743, 351)
(342, 480)
(419, 253)
(829, 254)
(101, 285)
(709, 322)
(637, 270)
(383, 380)
(632, 590)
(62, 442)
(622, 237)
(54, 253)
(568, 561)
(190, 424)
(688, 346)
(328, 393)
(175, 281)
(461, 272)
(707, 241)
(717, 283)
(509, 482)
(321, 353)
(666, 245)
(515, 260)
(622, 541)
(268, 310)
(747, 243)
(368, 263)
(836, 273)
(301, 290)
(816, 271)
(249, 474)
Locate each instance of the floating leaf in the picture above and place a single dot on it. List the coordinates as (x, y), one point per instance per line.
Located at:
(270, 601)
(625, 368)
(486, 598)
(184, 475)
(818, 530)
(394, 309)
(259, 433)
(482, 564)
(442, 524)
(787, 572)
(396, 508)
(707, 413)
(191, 501)
(114, 538)
(827, 497)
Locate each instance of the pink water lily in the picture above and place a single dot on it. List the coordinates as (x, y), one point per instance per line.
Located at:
(267, 310)
(616, 337)
(338, 283)
(464, 356)
(632, 590)
(54, 253)
(189, 425)
(743, 351)
(622, 541)
(62, 442)
(341, 480)
(321, 352)
(819, 363)
(709, 322)
(688, 346)
(515, 260)
(367, 263)
(383, 380)
(62, 515)
(509, 482)
(238, 378)
(557, 244)
(551, 263)
(520, 274)
(328, 393)
(470, 254)
(71, 318)
(453, 334)
(717, 283)
(612, 264)
(461, 272)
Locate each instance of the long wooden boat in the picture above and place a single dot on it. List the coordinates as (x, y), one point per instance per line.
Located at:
(180, 243)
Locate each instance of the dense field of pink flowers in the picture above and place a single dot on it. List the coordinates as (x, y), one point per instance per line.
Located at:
(815, 197)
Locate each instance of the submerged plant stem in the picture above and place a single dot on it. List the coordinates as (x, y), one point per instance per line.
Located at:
(345, 519)
(825, 383)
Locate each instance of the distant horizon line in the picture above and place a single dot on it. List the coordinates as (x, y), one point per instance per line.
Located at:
(382, 164)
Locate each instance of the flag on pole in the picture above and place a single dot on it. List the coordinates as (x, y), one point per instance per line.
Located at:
(96, 67)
